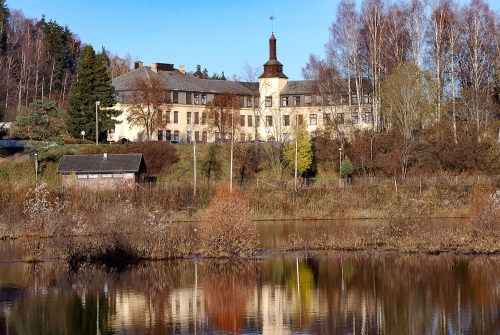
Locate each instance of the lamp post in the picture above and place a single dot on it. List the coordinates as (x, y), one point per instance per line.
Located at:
(340, 167)
(97, 103)
(232, 141)
(83, 135)
(36, 166)
(296, 161)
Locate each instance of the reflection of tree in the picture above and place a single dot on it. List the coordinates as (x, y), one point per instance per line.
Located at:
(300, 285)
(228, 287)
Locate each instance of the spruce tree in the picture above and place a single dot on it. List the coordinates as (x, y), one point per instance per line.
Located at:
(93, 83)
(4, 17)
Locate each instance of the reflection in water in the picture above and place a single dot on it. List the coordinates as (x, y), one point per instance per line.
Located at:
(318, 294)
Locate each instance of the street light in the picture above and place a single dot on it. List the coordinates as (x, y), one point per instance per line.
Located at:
(36, 166)
(232, 141)
(83, 135)
(340, 167)
(97, 103)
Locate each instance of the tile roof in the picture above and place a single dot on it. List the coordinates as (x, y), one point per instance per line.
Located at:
(97, 163)
(177, 81)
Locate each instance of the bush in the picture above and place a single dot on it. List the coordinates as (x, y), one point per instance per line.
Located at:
(226, 228)
(486, 216)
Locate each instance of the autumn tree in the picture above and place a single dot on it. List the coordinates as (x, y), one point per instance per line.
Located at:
(300, 149)
(409, 103)
(41, 120)
(223, 114)
(149, 105)
(93, 84)
(119, 65)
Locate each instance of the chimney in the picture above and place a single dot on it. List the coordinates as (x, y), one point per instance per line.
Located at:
(182, 69)
(154, 67)
(105, 157)
(137, 64)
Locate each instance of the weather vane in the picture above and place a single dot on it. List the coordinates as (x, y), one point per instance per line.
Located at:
(272, 23)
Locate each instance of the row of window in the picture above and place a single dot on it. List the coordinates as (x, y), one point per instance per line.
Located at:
(313, 119)
(104, 175)
(202, 99)
(295, 100)
(169, 135)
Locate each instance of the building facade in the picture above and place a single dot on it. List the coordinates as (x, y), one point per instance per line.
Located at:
(271, 107)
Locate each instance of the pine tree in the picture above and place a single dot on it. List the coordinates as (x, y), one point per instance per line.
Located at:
(93, 83)
(4, 16)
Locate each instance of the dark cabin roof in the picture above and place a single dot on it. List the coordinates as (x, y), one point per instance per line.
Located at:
(99, 164)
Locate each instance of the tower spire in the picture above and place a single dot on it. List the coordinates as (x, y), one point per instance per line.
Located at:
(273, 68)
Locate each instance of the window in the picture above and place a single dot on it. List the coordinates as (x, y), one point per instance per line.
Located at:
(242, 120)
(326, 118)
(313, 119)
(242, 100)
(168, 135)
(286, 120)
(296, 100)
(118, 175)
(81, 176)
(197, 136)
(343, 101)
(176, 135)
(107, 175)
(307, 100)
(204, 136)
(242, 137)
(269, 121)
(188, 98)
(167, 115)
(203, 99)
(354, 118)
(368, 117)
(340, 118)
(284, 102)
(249, 101)
(176, 98)
(188, 117)
(196, 117)
(203, 118)
(159, 114)
(196, 99)
(176, 117)
(257, 121)
(367, 99)
(160, 135)
(269, 101)
(93, 176)
(217, 135)
(249, 120)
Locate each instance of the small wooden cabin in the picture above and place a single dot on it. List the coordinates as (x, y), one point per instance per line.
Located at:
(101, 171)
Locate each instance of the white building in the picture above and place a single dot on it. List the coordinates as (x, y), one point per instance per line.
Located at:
(271, 106)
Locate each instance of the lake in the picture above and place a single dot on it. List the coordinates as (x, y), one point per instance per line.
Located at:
(276, 293)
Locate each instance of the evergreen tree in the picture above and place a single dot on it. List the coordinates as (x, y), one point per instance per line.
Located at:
(41, 120)
(4, 17)
(93, 83)
(63, 50)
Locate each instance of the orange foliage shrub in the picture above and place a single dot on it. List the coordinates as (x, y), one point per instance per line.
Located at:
(226, 229)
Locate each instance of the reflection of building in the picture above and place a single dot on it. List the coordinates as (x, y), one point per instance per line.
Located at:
(271, 107)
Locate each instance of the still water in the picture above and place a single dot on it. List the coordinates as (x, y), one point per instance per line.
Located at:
(292, 293)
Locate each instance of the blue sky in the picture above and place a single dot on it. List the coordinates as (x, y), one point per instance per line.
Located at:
(220, 35)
